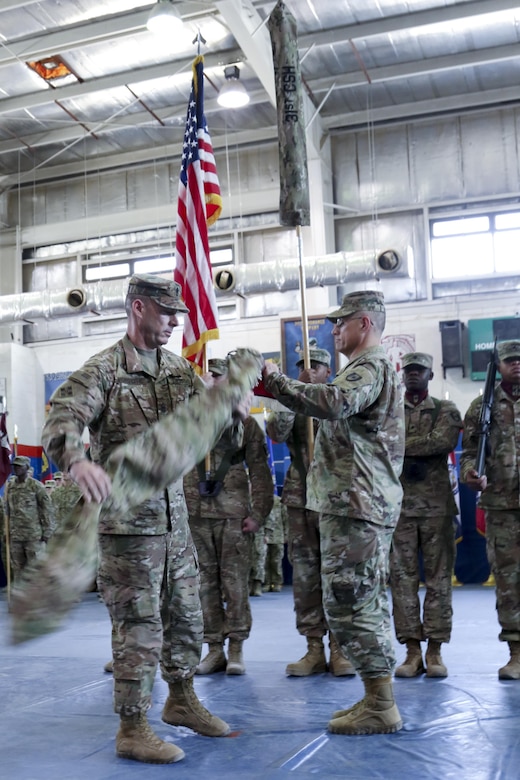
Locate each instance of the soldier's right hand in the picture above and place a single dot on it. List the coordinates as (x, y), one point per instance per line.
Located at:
(92, 480)
(474, 481)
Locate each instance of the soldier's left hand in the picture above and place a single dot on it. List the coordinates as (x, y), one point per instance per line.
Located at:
(249, 526)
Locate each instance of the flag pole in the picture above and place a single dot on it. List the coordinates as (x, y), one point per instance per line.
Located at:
(294, 185)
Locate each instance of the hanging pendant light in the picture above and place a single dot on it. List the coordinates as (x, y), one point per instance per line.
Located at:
(233, 94)
(164, 19)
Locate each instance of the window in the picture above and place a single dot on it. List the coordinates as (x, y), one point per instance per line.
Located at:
(474, 246)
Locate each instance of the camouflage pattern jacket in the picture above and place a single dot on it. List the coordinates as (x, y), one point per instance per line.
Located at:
(116, 398)
(503, 454)
(63, 499)
(248, 483)
(359, 448)
(432, 432)
(30, 512)
(293, 429)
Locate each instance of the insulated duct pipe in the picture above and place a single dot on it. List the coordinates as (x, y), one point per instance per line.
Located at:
(50, 304)
(281, 275)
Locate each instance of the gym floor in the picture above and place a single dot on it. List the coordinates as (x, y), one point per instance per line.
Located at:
(57, 723)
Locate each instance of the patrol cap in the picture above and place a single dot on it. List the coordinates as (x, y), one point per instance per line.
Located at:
(49, 482)
(165, 292)
(58, 475)
(508, 349)
(218, 366)
(21, 460)
(422, 359)
(364, 300)
(318, 354)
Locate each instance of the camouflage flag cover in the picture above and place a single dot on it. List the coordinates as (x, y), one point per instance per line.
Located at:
(139, 469)
(294, 185)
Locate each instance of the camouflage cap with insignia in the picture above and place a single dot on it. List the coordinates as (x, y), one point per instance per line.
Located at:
(58, 475)
(165, 292)
(508, 349)
(364, 300)
(21, 460)
(318, 354)
(422, 359)
(218, 366)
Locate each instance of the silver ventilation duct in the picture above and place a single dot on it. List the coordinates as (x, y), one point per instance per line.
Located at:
(48, 304)
(322, 271)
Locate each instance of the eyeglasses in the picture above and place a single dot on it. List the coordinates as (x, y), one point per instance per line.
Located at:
(341, 320)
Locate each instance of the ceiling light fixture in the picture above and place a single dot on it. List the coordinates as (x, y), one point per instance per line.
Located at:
(233, 94)
(164, 19)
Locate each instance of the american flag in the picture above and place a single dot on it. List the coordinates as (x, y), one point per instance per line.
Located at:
(199, 205)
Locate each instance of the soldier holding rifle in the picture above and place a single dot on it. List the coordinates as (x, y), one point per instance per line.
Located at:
(492, 426)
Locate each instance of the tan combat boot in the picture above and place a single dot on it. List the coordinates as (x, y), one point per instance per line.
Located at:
(183, 708)
(434, 663)
(109, 667)
(256, 588)
(377, 713)
(339, 666)
(313, 662)
(511, 671)
(136, 740)
(413, 663)
(215, 661)
(235, 662)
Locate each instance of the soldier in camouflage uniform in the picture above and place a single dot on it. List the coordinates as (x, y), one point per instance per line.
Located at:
(353, 482)
(257, 568)
(64, 496)
(425, 524)
(500, 497)
(304, 536)
(148, 576)
(30, 516)
(225, 508)
(275, 535)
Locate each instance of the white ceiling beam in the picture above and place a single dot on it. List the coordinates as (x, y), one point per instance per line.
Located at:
(246, 25)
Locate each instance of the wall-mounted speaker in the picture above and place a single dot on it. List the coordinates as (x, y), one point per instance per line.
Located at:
(452, 342)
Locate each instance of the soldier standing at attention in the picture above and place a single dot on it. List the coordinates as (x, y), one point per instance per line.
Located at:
(29, 514)
(500, 497)
(353, 482)
(425, 524)
(304, 535)
(147, 575)
(225, 509)
(64, 497)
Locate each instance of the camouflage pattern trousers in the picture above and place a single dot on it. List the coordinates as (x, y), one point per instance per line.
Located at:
(273, 565)
(224, 560)
(150, 585)
(22, 553)
(304, 554)
(503, 545)
(354, 566)
(434, 538)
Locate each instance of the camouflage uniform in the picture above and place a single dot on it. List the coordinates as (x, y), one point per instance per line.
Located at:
(303, 536)
(425, 523)
(148, 575)
(353, 482)
(31, 522)
(257, 567)
(224, 550)
(500, 500)
(274, 533)
(63, 500)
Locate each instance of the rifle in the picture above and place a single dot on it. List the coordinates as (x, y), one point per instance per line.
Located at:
(484, 419)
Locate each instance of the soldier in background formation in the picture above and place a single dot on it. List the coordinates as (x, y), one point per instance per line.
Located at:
(257, 567)
(275, 537)
(30, 515)
(303, 535)
(148, 575)
(353, 482)
(64, 497)
(425, 524)
(226, 506)
(500, 486)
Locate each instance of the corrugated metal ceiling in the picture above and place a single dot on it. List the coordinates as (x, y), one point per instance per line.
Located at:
(373, 61)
